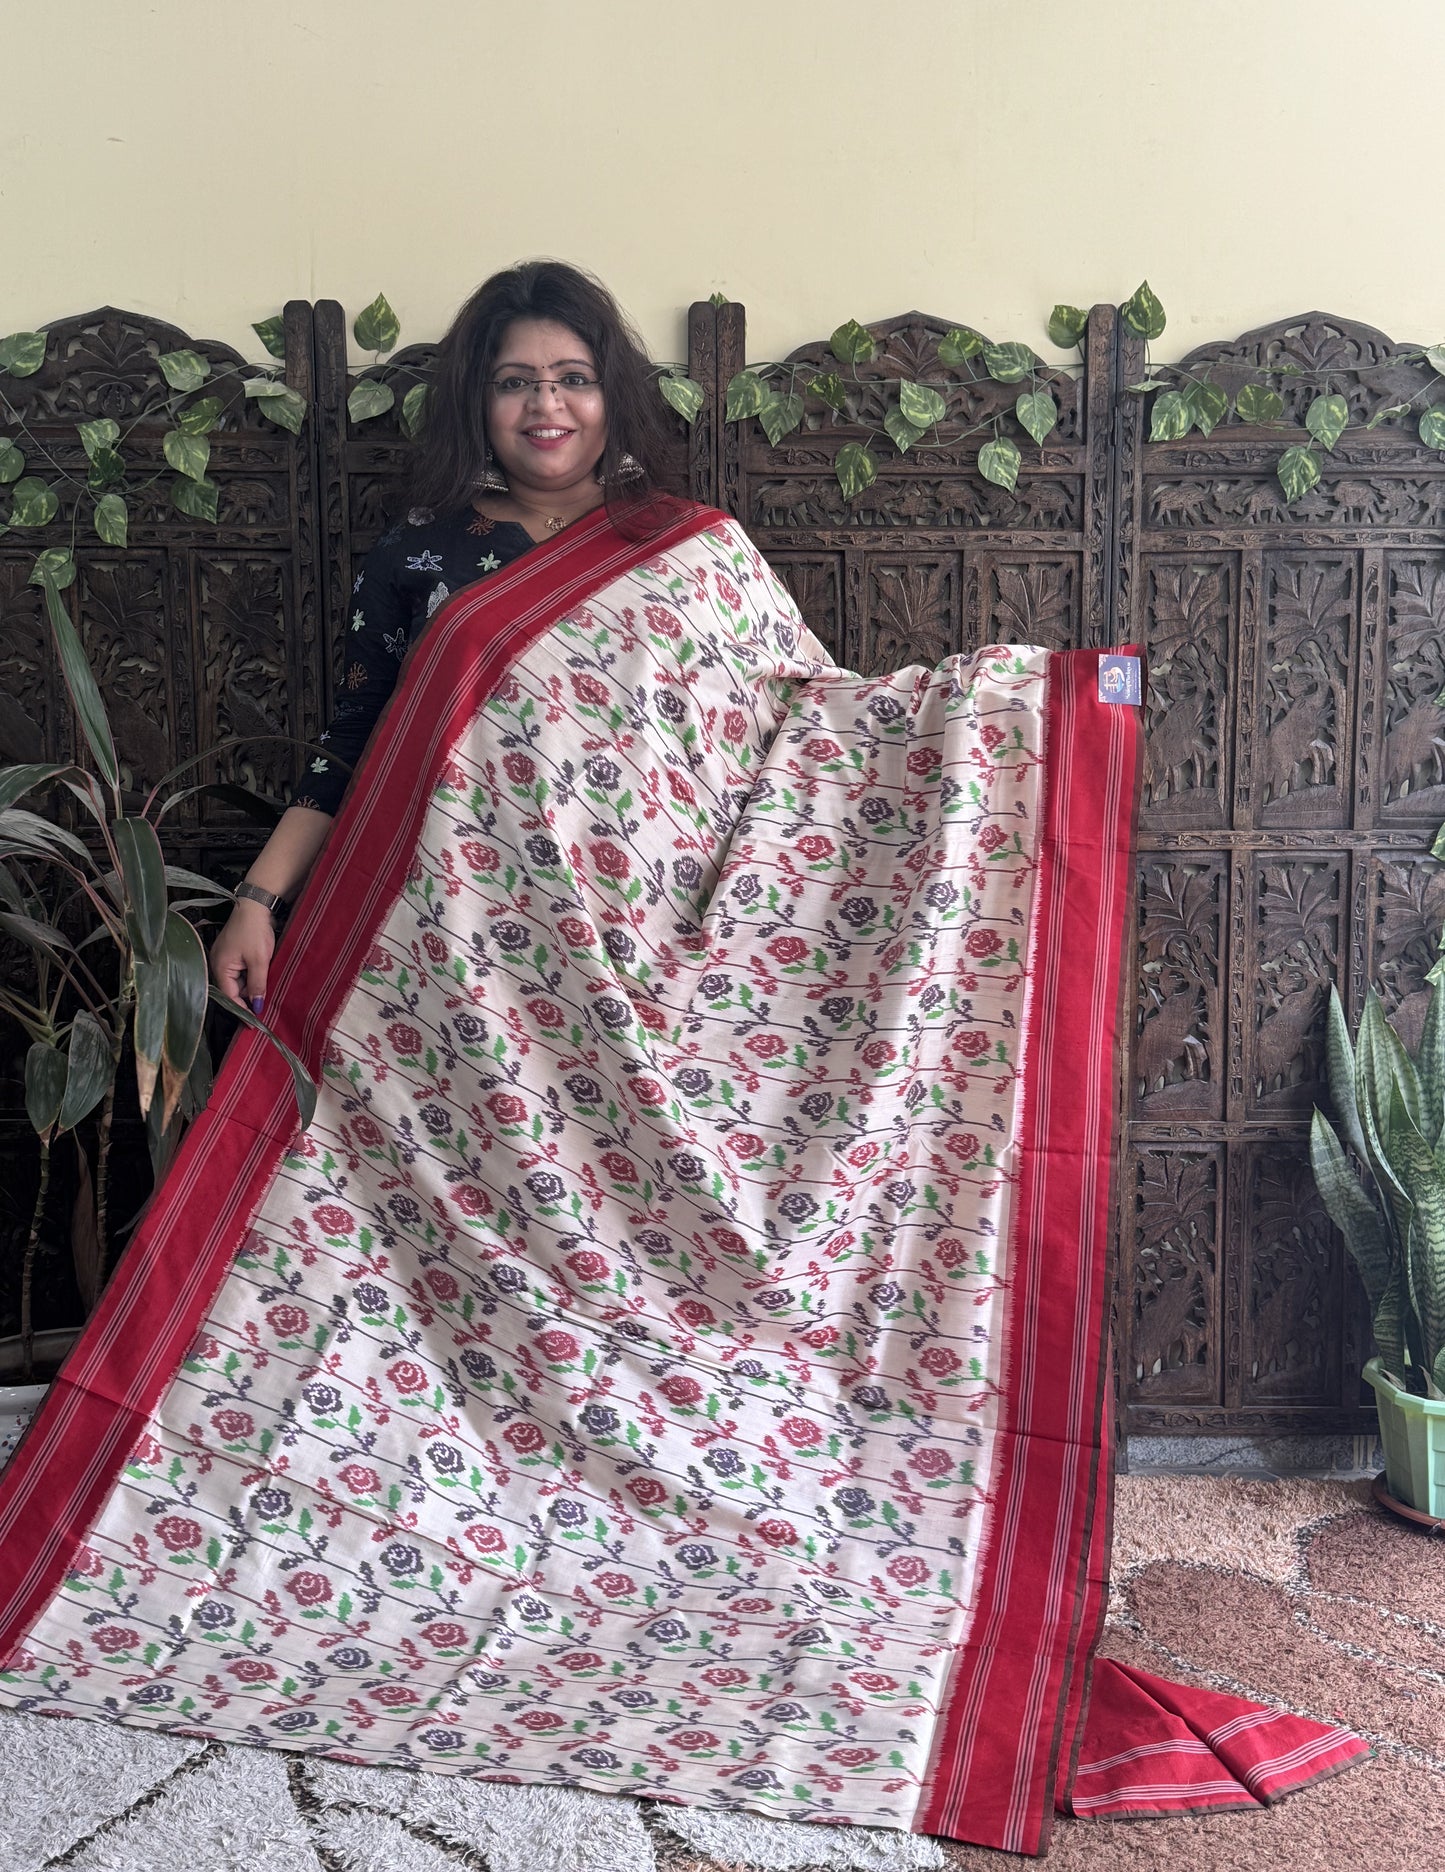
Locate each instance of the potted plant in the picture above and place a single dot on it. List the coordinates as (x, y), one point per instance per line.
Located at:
(118, 971)
(1390, 1110)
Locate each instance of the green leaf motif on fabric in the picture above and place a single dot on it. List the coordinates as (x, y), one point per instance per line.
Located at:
(102, 433)
(377, 328)
(272, 333)
(1298, 470)
(200, 417)
(33, 503)
(851, 343)
(22, 353)
(1432, 427)
(1326, 418)
(369, 398)
(780, 416)
(959, 346)
(923, 407)
(12, 462)
(683, 394)
(902, 432)
(111, 519)
(1143, 313)
(199, 500)
(187, 454)
(184, 370)
(1171, 417)
(1037, 412)
(413, 407)
(1007, 363)
(831, 388)
(745, 395)
(55, 563)
(855, 469)
(998, 461)
(1067, 325)
(1258, 404)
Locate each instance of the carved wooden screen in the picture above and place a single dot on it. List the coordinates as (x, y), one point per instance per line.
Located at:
(1293, 785)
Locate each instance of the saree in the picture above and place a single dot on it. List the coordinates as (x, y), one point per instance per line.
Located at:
(674, 1361)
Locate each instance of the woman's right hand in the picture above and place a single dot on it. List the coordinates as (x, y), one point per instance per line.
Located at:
(241, 954)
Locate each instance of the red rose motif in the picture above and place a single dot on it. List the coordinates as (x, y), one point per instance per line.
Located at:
(287, 1321)
(652, 1018)
(983, 942)
(619, 1167)
(992, 837)
(801, 1432)
(409, 1378)
(404, 1040)
(377, 960)
(206, 1347)
(252, 1670)
(728, 592)
(558, 1347)
(878, 1053)
(695, 1313)
(615, 1585)
(789, 949)
(820, 1337)
(232, 1426)
(525, 1437)
(940, 1360)
(725, 1676)
(393, 1695)
(359, 1479)
(680, 789)
(663, 621)
(588, 1266)
(579, 1660)
(975, 1043)
(471, 1200)
(815, 847)
(610, 860)
(951, 1252)
(486, 1539)
(922, 760)
(909, 1570)
(964, 1146)
(88, 1562)
(753, 1605)
(332, 1219)
(540, 1720)
(309, 1589)
(853, 1757)
(520, 769)
(546, 1013)
(931, 1462)
(147, 1451)
(776, 1533)
(874, 1680)
(735, 725)
(991, 736)
(648, 1092)
(689, 1739)
(729, 1241)
(115, 1638)
(480, 857)
(820, 748)
(746, 1144)
(681, 1390)
(442, 1284)
(367, 1132)
(507, 1108)
(444, 1636)
(576, 933)
(767, 1046)
(647, 1490)
(178, 1533)
(588, 689)
(862, 1155)
(434, 946)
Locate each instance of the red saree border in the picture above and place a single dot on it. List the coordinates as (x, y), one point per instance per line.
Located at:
(1012, 1708)
(58, 1480)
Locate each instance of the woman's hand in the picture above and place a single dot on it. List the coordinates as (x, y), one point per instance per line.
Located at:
(241, 954)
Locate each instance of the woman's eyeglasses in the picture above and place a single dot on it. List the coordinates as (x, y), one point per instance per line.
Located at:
(573, 383)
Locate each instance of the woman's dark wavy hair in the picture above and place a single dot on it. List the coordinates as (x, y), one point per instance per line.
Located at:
(452, 442)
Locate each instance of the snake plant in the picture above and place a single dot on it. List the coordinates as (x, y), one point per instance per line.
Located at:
(1390, 1110)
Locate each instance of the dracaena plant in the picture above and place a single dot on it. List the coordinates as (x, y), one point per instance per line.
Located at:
(1390, 1110)
(117, 967)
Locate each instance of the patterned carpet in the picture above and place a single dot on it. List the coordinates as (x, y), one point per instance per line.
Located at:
(1297, 1593)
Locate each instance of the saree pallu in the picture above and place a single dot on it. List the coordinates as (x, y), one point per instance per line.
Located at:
(673, 1361)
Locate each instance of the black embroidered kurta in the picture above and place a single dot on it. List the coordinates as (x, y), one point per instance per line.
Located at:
(406, 577)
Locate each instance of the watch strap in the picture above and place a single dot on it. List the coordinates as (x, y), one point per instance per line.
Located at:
(270, 899)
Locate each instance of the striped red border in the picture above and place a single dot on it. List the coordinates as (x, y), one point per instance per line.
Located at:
(1012, 1706)
(55, 1485)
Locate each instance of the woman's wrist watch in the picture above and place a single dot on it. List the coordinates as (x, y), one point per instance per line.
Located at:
(274, 903)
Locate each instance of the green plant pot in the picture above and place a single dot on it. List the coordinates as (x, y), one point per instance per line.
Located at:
(1412, 1430)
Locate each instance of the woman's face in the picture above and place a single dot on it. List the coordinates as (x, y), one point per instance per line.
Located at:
(550, 438)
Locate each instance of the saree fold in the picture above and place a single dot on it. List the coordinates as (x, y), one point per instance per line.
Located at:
(673, 1361)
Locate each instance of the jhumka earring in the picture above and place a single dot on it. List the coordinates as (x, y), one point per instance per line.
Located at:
(491, 480)
(628, 468)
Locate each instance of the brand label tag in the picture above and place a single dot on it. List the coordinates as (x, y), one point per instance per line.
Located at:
(1119, 680)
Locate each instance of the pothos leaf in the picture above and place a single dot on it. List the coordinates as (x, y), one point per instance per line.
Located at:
(22, 353)
(851, 343)
(412, 406)
(1432, 427)
(855, 469)
(745, 394)
(998, 461)
(279, 402)
(200, 417)
(1143, 313)
(56, 564)
(831, 388)
(1258, 404)
(1171, 417)
(12, 462)
(683, 394)
(107, 470)
(1007, 363)
(780, 416)
(1326, 418)
(922, 407)
(104, 432)
(903, 433)
(958, 347)
(184, 370)
(33, 504)
(369, 398)
(272, 333)
(1038, 413)
(377, 328)
(1298, 470)
(111, 519)
(1207, 404)
(187, 454)
(200, 500)
(1067, 325)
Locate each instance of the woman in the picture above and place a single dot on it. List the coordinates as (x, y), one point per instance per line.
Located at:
(542, 408)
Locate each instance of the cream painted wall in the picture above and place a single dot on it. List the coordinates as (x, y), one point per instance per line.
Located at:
(817, 159)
